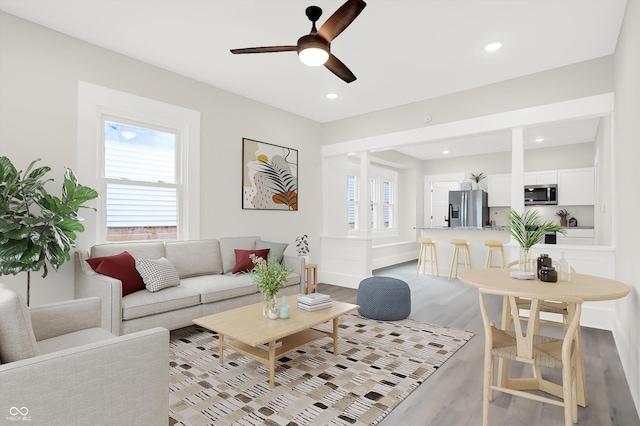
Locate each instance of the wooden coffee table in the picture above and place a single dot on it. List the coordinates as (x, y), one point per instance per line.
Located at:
(247, 329)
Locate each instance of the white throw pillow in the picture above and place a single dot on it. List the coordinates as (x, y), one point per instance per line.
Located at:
(157, 274)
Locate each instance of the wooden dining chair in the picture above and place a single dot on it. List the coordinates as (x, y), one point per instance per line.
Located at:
(556, 308)
(527, 345)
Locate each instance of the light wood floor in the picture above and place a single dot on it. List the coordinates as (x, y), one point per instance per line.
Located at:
(452, 396)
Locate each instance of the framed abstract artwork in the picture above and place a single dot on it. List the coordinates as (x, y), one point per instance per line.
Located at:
(269, 176)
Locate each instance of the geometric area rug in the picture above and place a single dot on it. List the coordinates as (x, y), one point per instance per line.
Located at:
(379, 364)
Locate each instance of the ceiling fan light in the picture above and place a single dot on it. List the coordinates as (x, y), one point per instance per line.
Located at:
(313, 56)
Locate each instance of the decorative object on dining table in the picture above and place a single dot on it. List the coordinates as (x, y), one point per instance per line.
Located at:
(270, 277)
(543, 260)
(563, 214)
(477, 178)
(528, 229)
(548, 274)
(564, 269)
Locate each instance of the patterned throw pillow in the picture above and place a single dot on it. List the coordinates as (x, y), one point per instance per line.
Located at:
(157, 274)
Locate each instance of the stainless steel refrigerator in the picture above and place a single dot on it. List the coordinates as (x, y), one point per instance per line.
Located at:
(468, 208)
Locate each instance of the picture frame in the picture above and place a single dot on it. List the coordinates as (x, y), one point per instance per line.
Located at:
(269, 176)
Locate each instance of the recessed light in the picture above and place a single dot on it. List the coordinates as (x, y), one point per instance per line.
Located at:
(332, 95)
(446, 151)
(492, 47)
(539, 140)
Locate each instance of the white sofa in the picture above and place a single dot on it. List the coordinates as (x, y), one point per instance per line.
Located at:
(59, 367)
(207, 284)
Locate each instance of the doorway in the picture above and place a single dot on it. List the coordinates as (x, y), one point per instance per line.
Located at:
(436, 197)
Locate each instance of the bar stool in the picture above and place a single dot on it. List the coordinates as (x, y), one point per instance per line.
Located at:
(427, 244)
(458, 244)
(494, 245)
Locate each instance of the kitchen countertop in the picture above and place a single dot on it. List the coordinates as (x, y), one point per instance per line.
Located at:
(465, 228)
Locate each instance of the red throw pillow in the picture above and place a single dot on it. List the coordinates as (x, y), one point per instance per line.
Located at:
(244, 262)
(122, 267)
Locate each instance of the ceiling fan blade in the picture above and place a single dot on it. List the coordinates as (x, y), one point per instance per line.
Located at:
(267, 49)
(341, 19)
(336, 66)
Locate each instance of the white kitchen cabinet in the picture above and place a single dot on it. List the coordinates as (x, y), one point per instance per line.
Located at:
(577, 236)
(499, 190)
(576, 187)
(545, 177)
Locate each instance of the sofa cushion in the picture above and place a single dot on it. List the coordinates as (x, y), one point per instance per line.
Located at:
(194, 257)
(227, 247)
(157, 274)
(144, 303)
(144, 249)
(120, 266)
(276, 250)
(17, 340)
(74, 339)
(244, 260)
(214, 288)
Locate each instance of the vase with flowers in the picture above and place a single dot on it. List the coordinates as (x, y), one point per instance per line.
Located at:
(270, 277)
(528, 229)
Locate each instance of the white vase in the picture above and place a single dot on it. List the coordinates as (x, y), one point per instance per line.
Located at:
(273, 313)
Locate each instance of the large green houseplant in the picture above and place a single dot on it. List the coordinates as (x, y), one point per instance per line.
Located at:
(37, 228)
(528, 229)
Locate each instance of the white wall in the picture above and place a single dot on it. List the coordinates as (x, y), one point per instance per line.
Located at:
(625, 199)
(39, 73)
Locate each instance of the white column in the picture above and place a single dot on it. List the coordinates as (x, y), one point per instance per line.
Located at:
(517, 169)
(363, 194)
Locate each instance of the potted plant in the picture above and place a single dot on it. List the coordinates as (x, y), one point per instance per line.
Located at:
(302, 247)
(527, 229)
(36, 228)
(270, 277)
(477, 178)
(564, 214)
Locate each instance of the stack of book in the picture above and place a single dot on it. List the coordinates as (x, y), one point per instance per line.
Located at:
(314, 302)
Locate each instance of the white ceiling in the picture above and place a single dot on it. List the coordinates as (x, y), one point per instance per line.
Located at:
(402, 51)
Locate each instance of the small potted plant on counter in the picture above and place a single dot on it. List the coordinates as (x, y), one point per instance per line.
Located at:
(564, 214)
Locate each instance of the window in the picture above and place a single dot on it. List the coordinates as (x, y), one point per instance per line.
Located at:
(382, 193)
(352, 202)
(143, 157)
(141, 182)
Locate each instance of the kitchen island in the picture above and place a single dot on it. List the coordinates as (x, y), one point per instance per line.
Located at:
(476, 237)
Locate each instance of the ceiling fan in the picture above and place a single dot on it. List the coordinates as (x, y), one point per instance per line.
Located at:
(314, 49)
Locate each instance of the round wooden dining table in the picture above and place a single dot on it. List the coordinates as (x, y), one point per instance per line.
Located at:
(589, 288)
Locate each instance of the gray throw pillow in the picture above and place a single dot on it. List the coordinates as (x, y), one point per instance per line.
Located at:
(276, 250)
(157, 274)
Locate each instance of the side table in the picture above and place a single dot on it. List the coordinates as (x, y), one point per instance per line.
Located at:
(312, 278)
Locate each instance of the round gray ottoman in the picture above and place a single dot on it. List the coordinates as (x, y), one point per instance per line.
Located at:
(384, 298)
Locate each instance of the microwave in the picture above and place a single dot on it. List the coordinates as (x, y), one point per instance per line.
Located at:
(540, 195)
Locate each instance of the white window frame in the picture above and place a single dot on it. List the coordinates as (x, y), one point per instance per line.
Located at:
(95, 104)
(380, 175)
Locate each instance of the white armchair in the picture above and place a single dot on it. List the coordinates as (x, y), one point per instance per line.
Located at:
(59, 367)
